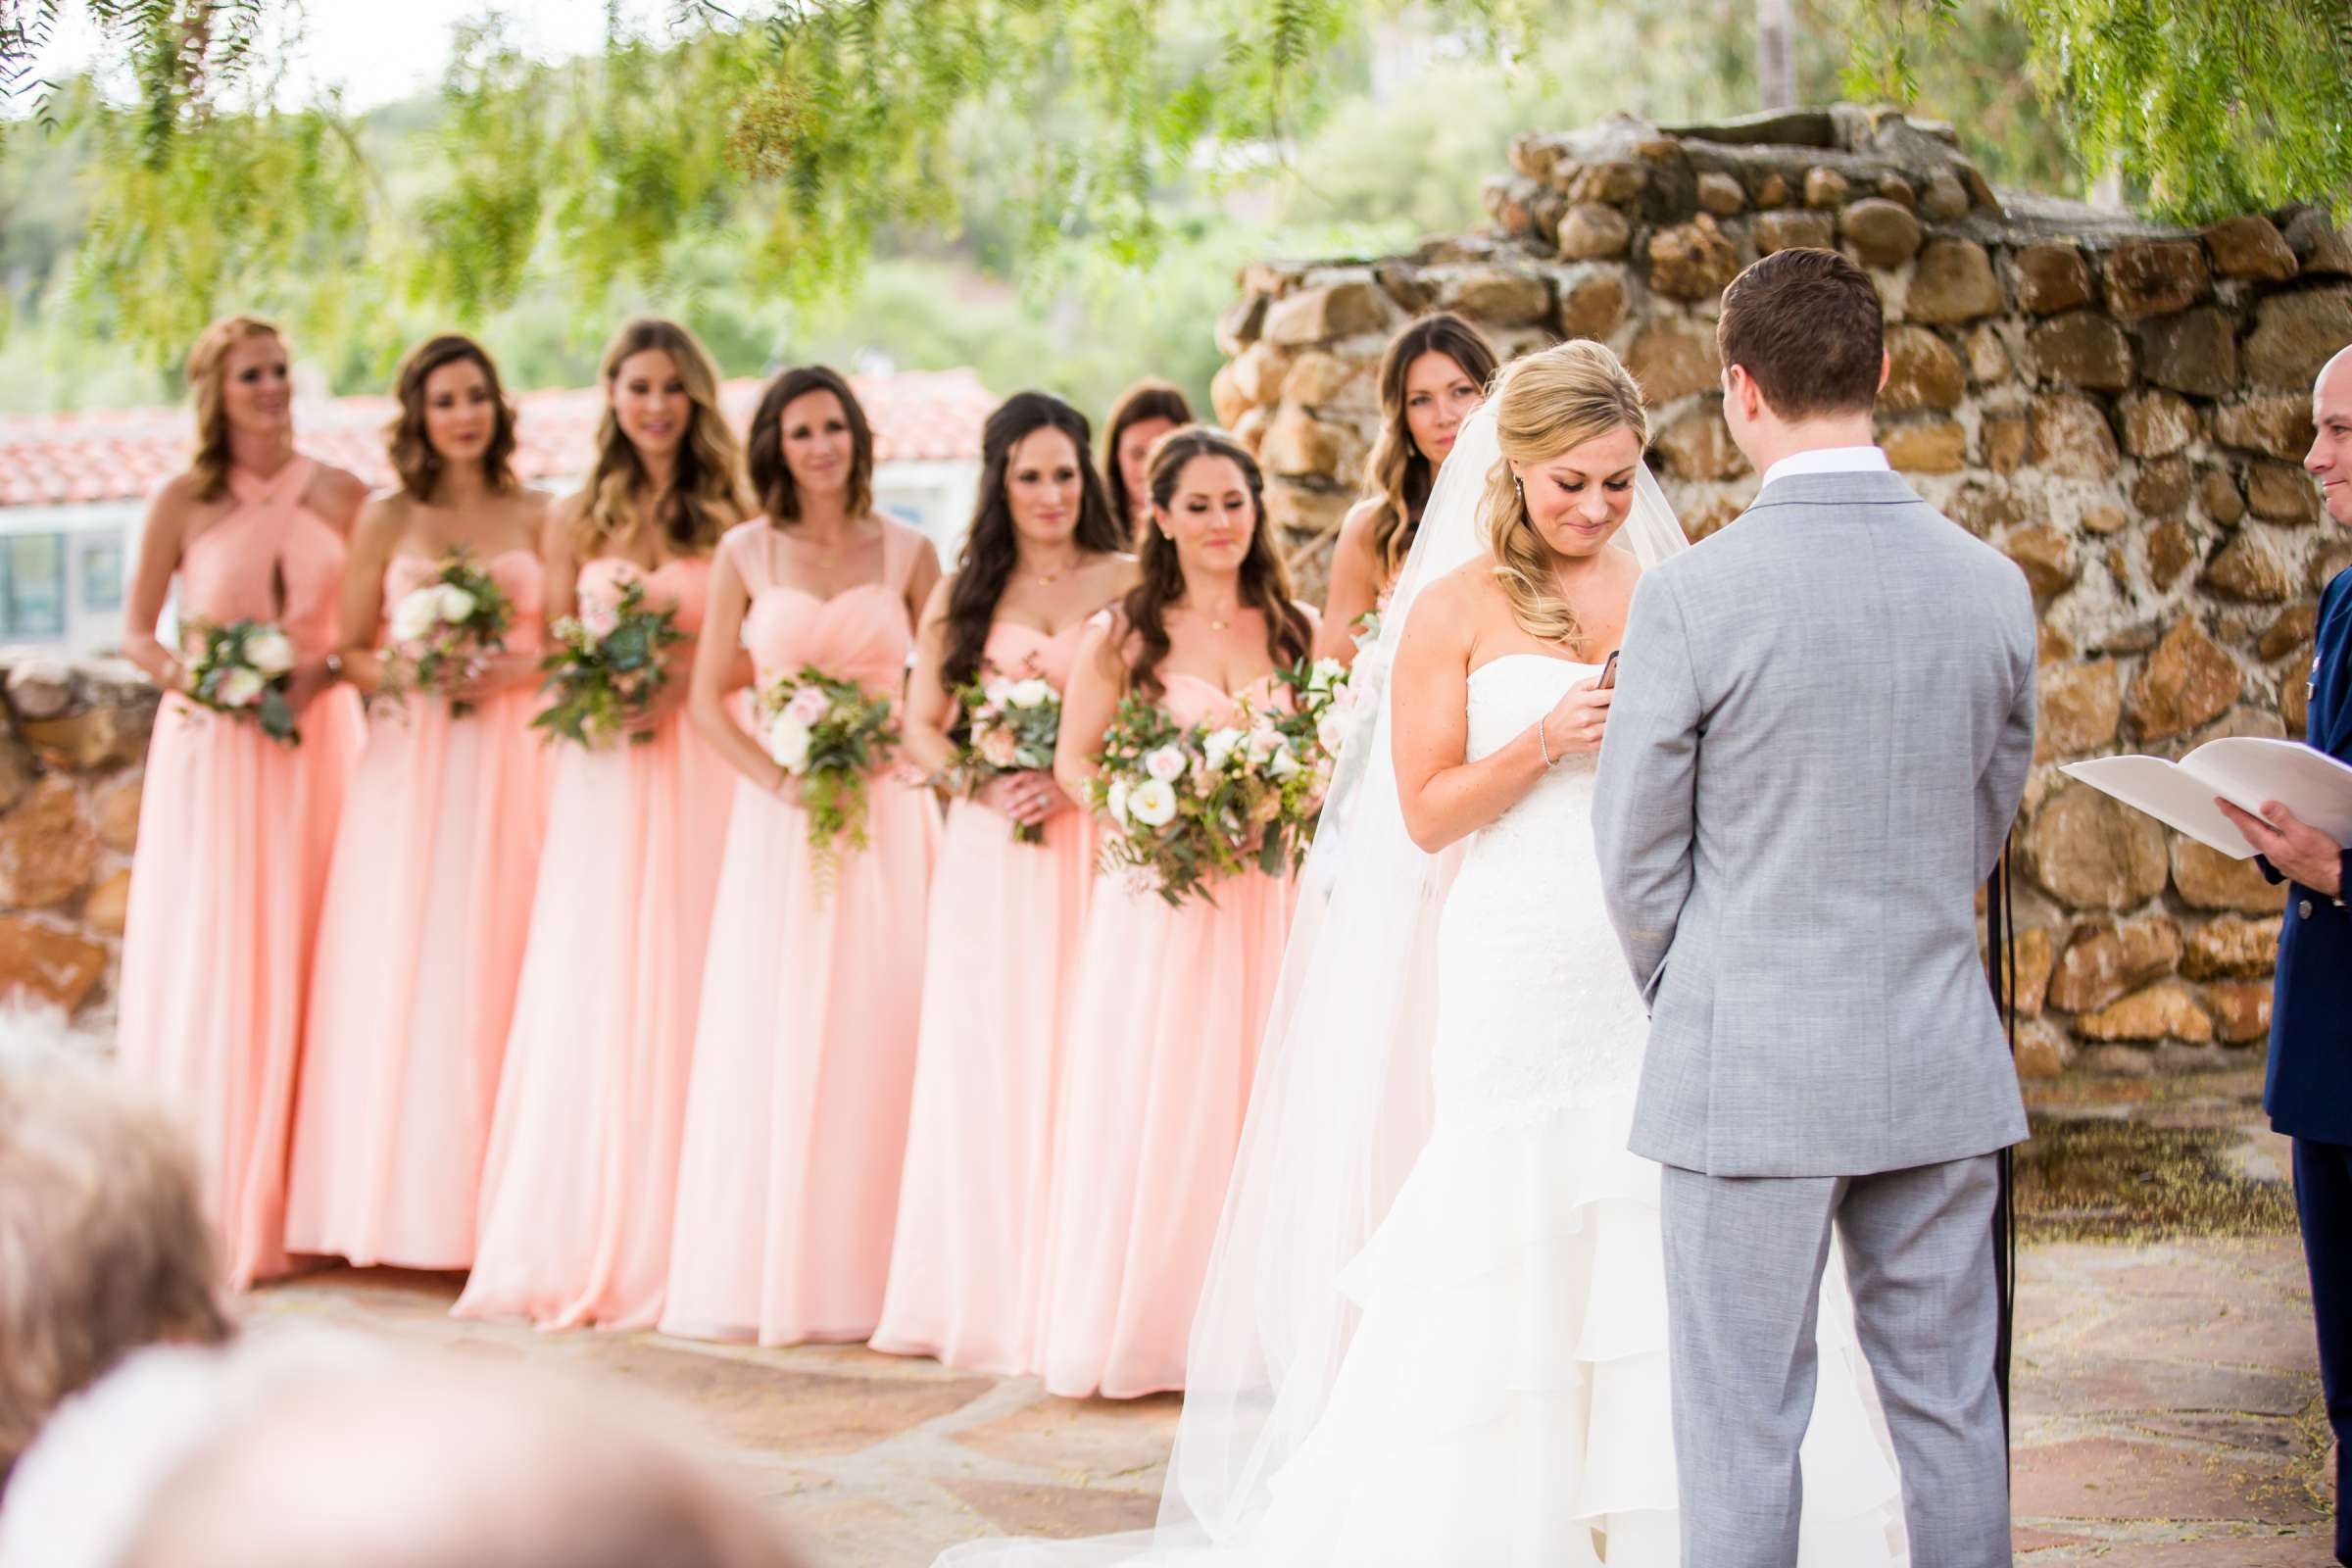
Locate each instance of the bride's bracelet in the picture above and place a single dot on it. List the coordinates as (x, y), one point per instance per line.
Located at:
(1542, 741)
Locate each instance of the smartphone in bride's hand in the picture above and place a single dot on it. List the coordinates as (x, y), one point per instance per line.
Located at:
(1608, 672)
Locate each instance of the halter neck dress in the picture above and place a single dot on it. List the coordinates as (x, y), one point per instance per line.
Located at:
(235, 834)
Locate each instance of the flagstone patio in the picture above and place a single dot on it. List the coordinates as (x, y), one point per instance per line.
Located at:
(2167, 1409)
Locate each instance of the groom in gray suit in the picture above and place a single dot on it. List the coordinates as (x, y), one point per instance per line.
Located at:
(1823, 722)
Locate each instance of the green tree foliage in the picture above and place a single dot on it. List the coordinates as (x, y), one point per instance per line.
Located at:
(2207, 107)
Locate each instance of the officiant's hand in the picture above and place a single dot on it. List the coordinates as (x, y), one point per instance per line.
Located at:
(2298, 851)
(1578, 720)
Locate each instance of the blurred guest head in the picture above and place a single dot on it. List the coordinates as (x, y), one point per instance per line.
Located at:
(240, 375)
(104, 1247)
(1145, 412)
(2331, 457)
(436, 1465)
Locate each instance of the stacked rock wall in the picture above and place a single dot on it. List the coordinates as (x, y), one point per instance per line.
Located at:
(2121, 407)
(71, 765)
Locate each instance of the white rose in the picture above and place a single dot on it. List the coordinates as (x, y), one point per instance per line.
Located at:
(1284, 762)
(1265, 739)
(1330, 732)
(1154, 804)
(1165, 764)
(1327, 673)
(1030, 693)
(456, 604)
(239, 688)
(415, 616)
(270, 651)
(1114, 801)
(788, 742)
(1218, 745)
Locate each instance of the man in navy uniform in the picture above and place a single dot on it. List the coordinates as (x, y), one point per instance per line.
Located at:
(2309, 1094)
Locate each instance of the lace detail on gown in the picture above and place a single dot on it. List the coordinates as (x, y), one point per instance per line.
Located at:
(1535, 1013)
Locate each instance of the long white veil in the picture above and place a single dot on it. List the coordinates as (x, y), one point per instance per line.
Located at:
(1341, 1106)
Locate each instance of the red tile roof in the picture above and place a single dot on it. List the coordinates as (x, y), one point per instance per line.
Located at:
(117, 455)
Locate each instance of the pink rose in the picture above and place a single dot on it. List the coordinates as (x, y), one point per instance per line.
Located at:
(600, 619)
(808, 705)
(998, 748)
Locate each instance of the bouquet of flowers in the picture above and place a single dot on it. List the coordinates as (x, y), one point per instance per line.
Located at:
(1190, 806)
(444, 629)
(244, 669)
(829, 734)
(1008, 727)
(605, 668)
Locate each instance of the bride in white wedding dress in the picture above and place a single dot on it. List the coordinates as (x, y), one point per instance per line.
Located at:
(1435, 1331)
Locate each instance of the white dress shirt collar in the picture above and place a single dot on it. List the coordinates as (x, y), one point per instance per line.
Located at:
(1830, 460)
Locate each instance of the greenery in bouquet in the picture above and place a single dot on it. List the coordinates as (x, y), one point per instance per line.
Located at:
(245, 668)
(830, 736)
(604, 667)
(1188, 805)
(444, 629)
(1006, 727)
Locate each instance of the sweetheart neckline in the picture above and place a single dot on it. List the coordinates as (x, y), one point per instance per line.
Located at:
(434, 561)
(1572, 663)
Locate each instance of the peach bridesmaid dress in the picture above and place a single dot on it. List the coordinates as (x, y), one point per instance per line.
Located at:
(235, 833)
(804, 1061)
(578, 1182)
(1005, 925)
(1157, 1058)
(420, 948)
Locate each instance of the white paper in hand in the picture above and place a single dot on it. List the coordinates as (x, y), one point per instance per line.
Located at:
(2244, 770)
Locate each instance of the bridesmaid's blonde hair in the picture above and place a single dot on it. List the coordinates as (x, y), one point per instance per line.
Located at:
(1547, 403)
(705, 495)
(208, 376)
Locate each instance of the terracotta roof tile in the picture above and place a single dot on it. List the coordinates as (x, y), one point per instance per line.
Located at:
(123, 454)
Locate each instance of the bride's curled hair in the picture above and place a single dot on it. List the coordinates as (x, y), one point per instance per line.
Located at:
(1545, 404)
(1266, 583)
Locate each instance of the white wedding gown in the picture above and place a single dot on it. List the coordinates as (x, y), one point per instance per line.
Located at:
(1504, 1400)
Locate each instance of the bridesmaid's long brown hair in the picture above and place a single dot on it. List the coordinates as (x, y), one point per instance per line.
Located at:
(1265, 583)
(705, 494)
(772, 484)
(411, 451)
(1149, 399)
(207, 372)
(991, 548)
(1397, 473)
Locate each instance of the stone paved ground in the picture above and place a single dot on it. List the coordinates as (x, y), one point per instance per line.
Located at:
(2168, 1413)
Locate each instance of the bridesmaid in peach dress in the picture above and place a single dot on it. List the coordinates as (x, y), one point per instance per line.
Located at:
(1043, 555)
(431, 896)
(1162, 1040)
(796, 1124)
(578, 1182)
(236, 830)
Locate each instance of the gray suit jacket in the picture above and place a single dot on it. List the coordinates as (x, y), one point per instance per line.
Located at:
(1823, 722)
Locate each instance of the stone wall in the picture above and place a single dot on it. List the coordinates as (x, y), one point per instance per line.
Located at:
(2119, 407)
(70, 777)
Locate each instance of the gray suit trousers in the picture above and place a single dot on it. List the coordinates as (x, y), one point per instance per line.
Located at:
(1744, 1266)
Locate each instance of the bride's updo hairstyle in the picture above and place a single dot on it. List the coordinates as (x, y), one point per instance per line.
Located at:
(1547, 403)
(1265, 583)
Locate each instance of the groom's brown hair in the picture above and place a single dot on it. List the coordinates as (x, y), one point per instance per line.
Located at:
(1808, 329)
